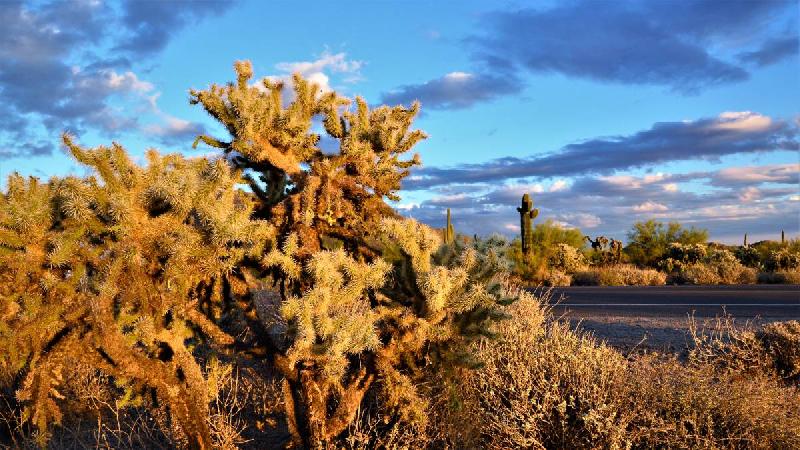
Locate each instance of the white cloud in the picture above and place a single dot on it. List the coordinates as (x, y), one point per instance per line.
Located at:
(775, 173)
(128, 81)
(749, 194)
(670, 187)
(317, 71)
(458, 76)
(650, 206)
(745, 121)
(558, 185)
(578, 220)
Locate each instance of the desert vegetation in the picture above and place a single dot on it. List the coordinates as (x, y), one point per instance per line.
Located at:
(163, 305)
(656, 254)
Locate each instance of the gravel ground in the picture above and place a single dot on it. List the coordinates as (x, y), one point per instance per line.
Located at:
(638, 319)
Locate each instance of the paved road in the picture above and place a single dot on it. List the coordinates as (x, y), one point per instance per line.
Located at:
(769, 302)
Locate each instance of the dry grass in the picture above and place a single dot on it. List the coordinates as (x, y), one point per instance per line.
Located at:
(619, 275)
(780, 277)
(546, 386)
(556, 277)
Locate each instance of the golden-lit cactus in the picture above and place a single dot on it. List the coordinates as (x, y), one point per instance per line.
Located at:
(105, 270)
(353, 320)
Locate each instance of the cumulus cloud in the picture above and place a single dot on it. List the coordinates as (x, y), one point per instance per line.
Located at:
(318, 71)
(710, 138)
(51, 78)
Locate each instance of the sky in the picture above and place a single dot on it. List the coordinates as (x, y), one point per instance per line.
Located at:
(606, 112)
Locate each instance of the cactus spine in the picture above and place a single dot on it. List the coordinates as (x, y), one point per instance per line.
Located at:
(527, 213)
(745, 240)
(449, 231)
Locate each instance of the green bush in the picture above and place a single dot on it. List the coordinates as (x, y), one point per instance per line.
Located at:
(648, 242)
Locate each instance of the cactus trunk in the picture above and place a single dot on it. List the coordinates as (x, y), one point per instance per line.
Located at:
(745, 239)
(527, 213)
(449, 230)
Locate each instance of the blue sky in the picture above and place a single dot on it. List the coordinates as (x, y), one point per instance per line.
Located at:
(606, 112)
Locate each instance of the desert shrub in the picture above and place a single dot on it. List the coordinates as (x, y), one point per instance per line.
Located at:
(781, 341)
(780, 277)
(748, 275)
(726, 265)
(557, 278)
(782, 260)
(697, 406)
(773, 349)
(543, 386)
(567, 258)
(586, 278)
(718, 266)
(546, 386)
(698, 273)
(620, 275)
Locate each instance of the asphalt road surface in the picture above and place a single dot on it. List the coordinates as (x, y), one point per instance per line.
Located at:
(767, 302)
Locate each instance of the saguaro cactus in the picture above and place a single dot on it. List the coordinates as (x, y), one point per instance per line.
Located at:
(745, 240)
(783, 238)
(527, 213)
(449, 231)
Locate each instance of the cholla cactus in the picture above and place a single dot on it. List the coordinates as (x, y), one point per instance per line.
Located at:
(687, 253)
(782, 259)
(748, 256)
(567, 259)
(110, 271)
(353, 319)
(616, 251)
